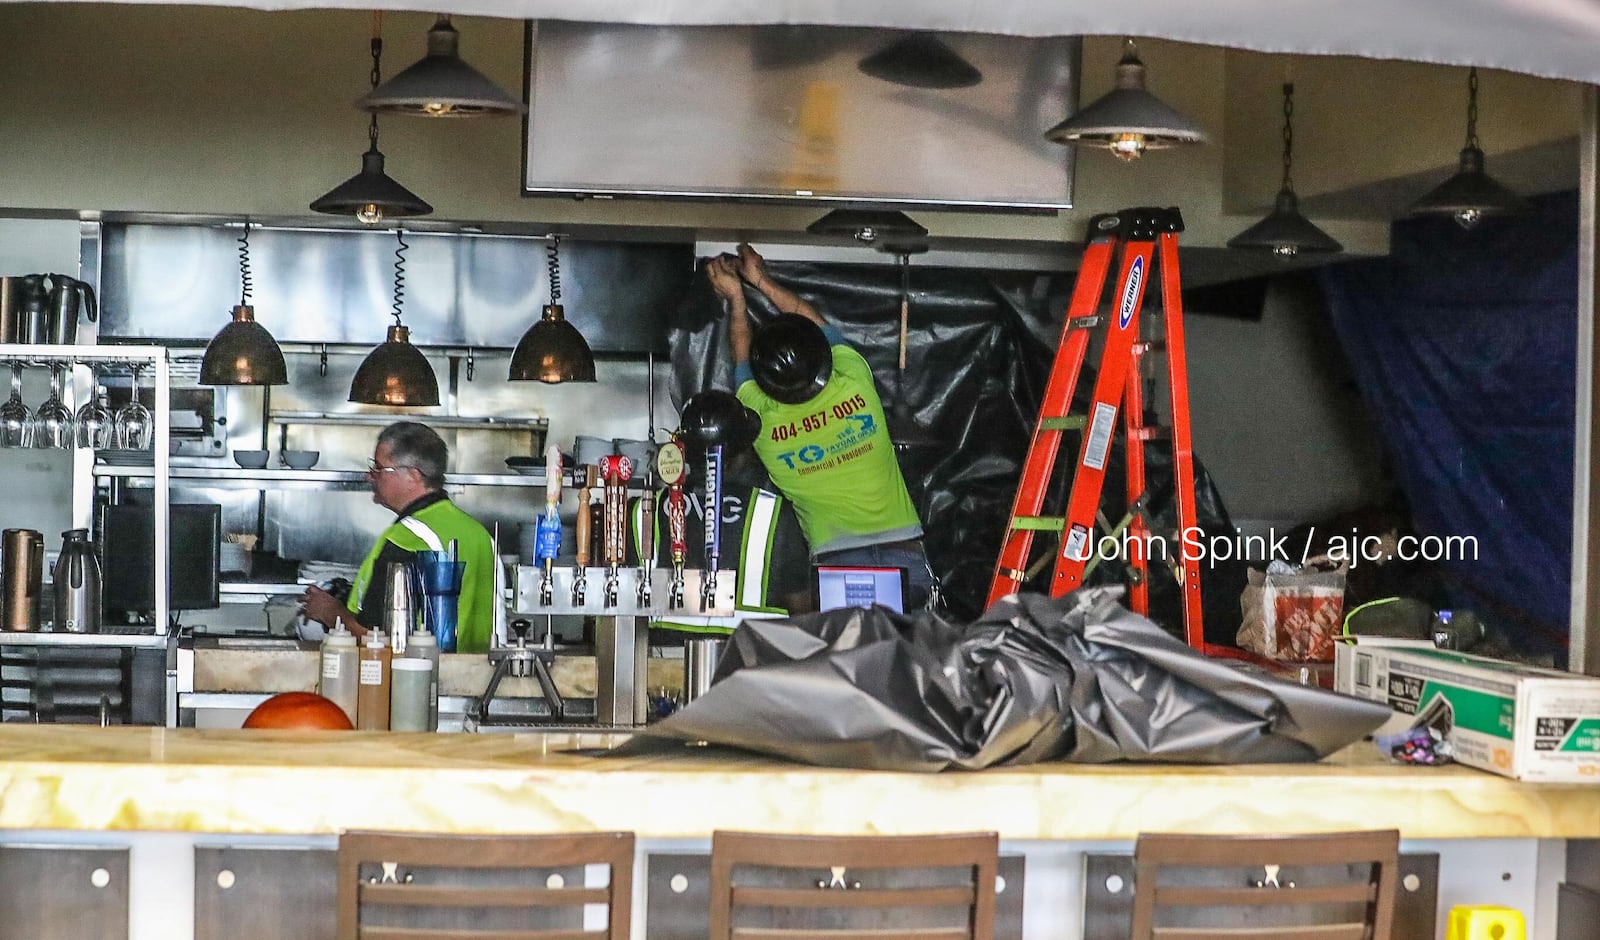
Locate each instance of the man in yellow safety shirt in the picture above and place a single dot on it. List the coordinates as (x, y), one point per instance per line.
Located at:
(823, 439)
(407, 477)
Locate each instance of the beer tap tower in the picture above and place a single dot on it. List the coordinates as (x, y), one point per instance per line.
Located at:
(635, 595)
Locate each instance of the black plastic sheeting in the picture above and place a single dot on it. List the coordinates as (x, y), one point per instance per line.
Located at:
(1077, 678)
(979, 349)
(1464, 347)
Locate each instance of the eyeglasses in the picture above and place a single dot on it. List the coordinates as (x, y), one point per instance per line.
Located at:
(373, 467)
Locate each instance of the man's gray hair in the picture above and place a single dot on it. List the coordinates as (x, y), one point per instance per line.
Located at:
(416, 445)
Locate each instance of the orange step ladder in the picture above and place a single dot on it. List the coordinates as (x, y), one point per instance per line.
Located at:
(1135, 240)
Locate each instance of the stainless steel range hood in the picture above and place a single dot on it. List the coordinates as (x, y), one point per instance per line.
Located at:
(178, 281)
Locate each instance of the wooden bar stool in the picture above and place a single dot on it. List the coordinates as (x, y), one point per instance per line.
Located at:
(1333, 886)
(781, 887)
(407, 886)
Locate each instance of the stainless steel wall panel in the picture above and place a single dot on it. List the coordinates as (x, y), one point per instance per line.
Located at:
(336, 286)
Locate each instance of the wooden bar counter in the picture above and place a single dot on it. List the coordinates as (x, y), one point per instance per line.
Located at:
(163, 793)
(277, 782)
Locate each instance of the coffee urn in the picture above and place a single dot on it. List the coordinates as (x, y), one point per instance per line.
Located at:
(76, 580)
(21, 579)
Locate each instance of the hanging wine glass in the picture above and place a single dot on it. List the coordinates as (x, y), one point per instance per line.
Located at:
(135, 429)
(15, 419)
(94, 421)
(52, 420)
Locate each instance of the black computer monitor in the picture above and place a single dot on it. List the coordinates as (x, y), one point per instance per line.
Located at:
(860, 586)
(129, 576)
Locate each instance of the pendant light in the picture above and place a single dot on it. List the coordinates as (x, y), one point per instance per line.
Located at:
(1471, 193)
(396, 373)
(921, 60)
(867, 225)
(371, 196)
(905, 432)
(1285, 232)
(243, 352)
(552, 350)
(441, 84)
(1127, 120)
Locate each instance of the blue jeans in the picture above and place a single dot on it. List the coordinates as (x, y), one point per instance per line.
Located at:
(921, 586)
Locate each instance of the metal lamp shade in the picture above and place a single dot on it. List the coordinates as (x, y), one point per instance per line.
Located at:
(395, 373)
(552, 351)
(371, 195)
(243, 353)
(867, 225)
(441, 85)
(1127, 119)
(1285, 231)
(921, 61)
(1470, 194)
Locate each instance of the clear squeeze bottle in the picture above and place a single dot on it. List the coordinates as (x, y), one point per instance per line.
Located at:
(339, 658)
(422, 645)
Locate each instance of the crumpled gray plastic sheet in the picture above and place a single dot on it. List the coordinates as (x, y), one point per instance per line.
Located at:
(1078, 678)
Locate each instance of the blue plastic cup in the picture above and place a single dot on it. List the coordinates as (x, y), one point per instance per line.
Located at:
(441, 581)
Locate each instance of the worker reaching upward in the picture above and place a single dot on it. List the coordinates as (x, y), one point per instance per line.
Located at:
(823, 440)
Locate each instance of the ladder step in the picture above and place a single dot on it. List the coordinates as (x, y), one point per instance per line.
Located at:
(1062, 423)
(1039, 523)
(1150, 432)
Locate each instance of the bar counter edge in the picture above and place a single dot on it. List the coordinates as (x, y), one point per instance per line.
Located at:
(320, 783)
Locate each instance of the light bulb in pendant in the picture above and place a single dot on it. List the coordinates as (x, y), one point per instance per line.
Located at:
(370, 214)
(1468, 218)
(1127, 147)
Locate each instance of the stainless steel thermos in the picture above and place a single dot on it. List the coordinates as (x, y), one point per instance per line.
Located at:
(21, 579)
(43, 308)
(76, 582)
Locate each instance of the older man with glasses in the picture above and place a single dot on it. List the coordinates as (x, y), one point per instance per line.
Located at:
(407, 477)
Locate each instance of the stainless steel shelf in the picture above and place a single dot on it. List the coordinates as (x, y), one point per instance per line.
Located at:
(302, 479)
(435, 421)
(113, 640)
(258, 588)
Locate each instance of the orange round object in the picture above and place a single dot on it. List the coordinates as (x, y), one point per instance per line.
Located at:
(304, 711)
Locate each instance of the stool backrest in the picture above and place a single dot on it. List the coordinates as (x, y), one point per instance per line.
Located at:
(481, 885)
(1331, 886)
(937, 887)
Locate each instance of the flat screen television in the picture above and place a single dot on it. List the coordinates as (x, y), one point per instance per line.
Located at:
(789, 113)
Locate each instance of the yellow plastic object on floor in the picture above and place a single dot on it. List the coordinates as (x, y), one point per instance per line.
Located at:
(1485, 922)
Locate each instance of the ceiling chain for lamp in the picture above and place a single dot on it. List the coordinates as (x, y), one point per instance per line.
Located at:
(371, 196)
(552, 350)
(441, 84)
(1471, 194)
(1128, 120)
(1285, 232)
(243, 352)
(396, 373)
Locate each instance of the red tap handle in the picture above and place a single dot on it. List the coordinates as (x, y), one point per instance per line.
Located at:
(677, 524)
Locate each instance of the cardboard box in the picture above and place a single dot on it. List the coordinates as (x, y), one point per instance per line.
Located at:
(1519, 721)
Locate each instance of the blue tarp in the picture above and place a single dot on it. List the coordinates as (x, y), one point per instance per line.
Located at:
(1464, 347)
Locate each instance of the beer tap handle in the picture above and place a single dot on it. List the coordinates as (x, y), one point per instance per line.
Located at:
(584, 524)
(580, 577)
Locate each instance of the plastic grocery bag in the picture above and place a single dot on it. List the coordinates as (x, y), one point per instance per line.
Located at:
(1076, 678)
(1303, 614)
